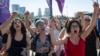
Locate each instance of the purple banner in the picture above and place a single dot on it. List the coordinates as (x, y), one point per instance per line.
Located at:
(60, 5)
(4, 10)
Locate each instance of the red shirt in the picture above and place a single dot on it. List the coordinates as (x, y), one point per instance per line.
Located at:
(74, 50)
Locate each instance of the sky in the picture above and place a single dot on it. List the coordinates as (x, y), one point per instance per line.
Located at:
(70, 6)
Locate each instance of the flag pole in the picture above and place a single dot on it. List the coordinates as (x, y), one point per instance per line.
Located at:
(50, 9)
(97, 1)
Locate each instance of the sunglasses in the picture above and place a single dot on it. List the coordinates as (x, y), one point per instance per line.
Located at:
(87, 19)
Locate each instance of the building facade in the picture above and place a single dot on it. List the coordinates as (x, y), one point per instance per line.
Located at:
(39, 13)
(47, 12)
(15, 7)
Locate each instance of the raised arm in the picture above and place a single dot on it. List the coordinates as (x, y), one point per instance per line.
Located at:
(82, 20)
(62, 34)
(8, 41)
(89, 28)
(28, 44)
(53, 40)
(26, 16)
(8, 20)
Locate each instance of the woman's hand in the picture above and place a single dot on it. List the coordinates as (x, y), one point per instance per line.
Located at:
(13, 15)
(26, 14)
(2, 53)
(23, 52)
(50, 54)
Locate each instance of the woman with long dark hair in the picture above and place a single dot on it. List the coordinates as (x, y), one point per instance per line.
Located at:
(18, 39)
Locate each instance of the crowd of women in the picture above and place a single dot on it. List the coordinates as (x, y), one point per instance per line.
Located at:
(48, 37)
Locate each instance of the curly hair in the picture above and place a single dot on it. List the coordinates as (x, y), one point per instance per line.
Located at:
(13, 30)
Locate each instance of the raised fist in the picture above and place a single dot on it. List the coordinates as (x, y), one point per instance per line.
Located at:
(13, 14)
(80, 13)
(96, 5)
(26, 13)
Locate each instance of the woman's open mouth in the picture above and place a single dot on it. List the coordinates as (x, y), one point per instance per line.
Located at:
(75, 31)
(17, 26)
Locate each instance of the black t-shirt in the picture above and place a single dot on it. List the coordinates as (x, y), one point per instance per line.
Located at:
(0, 34)
(5, 37)
(97, 33)
(91, 43)
(0, 40)
(17, 47)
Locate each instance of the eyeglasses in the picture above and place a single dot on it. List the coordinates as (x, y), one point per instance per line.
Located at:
(87, 19)
(74, 26)
(16, 22)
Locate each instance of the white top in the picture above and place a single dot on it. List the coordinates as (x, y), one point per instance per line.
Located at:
(46, 29)
(32, 25)
(56, 33)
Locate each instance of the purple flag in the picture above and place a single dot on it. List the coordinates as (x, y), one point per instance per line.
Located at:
(60, 5)
(4, 10)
